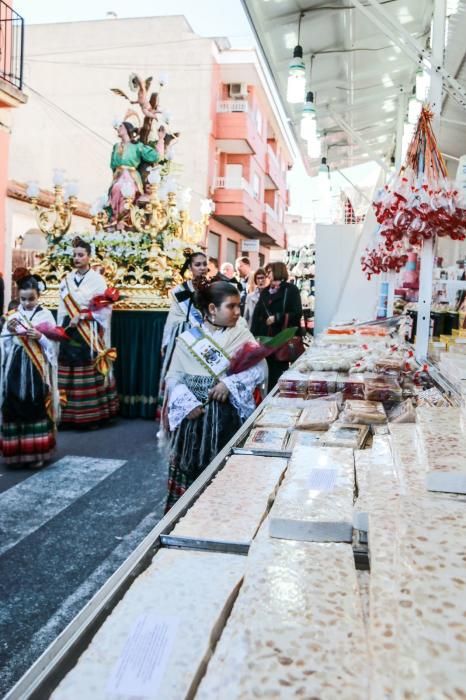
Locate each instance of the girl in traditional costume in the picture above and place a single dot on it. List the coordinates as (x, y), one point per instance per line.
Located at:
(28, 382)
(183, 313)
(85, 365)
(205, 406)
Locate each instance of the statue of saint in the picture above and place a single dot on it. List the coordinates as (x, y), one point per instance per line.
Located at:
(128, 155)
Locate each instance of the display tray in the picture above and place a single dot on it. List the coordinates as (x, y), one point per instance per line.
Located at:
(46, 673)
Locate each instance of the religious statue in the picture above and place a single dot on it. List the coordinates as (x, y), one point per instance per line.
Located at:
(138, 149)
(127, 157)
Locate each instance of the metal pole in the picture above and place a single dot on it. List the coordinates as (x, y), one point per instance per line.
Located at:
(402, 106)
(412, 47)
(427, 254)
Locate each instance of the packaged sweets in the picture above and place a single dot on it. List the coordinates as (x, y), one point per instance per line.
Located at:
(393, 364)
(272, 439)
(351, 385)
(319, 416)
(405, 412)
(304, 438)
(364, 412)
(320, 383)
(279, 417)
(382, 388)
(293, 383)
(346, 435)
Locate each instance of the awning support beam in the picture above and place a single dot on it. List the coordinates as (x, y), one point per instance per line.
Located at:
(356, 137)
(412, 48)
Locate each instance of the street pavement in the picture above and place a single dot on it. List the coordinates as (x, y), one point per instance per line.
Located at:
(66, 528)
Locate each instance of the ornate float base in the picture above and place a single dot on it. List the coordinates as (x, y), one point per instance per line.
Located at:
(133, 298)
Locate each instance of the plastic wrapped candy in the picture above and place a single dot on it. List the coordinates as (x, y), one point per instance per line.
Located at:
(417, 204)
(382, 388)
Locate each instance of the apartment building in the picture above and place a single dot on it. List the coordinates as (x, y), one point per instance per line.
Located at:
(235, 144)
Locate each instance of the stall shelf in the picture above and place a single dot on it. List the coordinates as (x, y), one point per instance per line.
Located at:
(41, 679)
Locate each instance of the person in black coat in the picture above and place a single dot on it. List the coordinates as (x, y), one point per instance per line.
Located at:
(279, 307)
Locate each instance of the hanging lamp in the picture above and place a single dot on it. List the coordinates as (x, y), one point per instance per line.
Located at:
(296, 88)
(308, 118)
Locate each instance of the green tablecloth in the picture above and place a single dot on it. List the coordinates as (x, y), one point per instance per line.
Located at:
(137, 336)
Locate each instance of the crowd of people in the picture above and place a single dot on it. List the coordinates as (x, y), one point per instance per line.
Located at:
(61, 372)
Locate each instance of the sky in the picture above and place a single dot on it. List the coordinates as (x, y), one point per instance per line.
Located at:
(206, 17)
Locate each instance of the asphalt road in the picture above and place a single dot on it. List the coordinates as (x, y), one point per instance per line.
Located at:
(66, 528)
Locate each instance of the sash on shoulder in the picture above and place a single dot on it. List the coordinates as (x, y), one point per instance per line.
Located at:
(184, 300)
(105, 356)
(34, 352)
(206, 351)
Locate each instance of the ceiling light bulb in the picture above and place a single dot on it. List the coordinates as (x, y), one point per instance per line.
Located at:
(308, 118)
(296, 88)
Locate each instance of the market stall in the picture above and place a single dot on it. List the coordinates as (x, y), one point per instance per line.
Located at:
(246, 571)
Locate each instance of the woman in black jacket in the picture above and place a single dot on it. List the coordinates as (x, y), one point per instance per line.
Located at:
(279, 307)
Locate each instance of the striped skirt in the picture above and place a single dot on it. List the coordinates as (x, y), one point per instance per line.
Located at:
(90, 397)
(27, 441)
(195, 443)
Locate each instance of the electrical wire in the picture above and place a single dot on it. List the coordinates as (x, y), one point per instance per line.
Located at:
(81, 124)
(123, 66)
(118, 46)
(68, 115)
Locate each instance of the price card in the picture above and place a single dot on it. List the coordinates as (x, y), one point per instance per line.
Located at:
(144, 658)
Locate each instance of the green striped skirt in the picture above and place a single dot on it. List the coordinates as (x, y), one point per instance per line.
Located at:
(90, 397)
(27, 441)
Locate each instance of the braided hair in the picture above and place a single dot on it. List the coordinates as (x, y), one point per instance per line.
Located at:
(207, 292)
(189, 256)
(78, 242)
(25, 279)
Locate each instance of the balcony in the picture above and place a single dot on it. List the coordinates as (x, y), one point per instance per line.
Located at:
(275, 178)
(235, 129)
(236, 206)
(274, 229)
(11, 57)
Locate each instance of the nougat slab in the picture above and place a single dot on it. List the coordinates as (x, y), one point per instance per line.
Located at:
(443, 441)
(235, 503)
(296, 629)
(315, 500)
(191, 594)
(375, 477)
(418, 599)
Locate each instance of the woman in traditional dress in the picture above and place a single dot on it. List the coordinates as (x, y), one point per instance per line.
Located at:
(205, 406)
(127, 157)
(183, 314)
(28, 385)
(85, 365)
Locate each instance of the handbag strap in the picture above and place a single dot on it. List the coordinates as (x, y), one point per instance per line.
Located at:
(285, 315)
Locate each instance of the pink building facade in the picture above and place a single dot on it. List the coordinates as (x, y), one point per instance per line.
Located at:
(249, 163)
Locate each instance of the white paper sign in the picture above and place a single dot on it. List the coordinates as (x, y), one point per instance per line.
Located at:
(250, 245)
(323, 479)
(144, 658)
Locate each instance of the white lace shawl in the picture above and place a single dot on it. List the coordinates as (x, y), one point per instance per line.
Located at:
(49, 349)
(182, 401)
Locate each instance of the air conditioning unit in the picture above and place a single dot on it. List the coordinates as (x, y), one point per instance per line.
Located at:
(238, 90)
